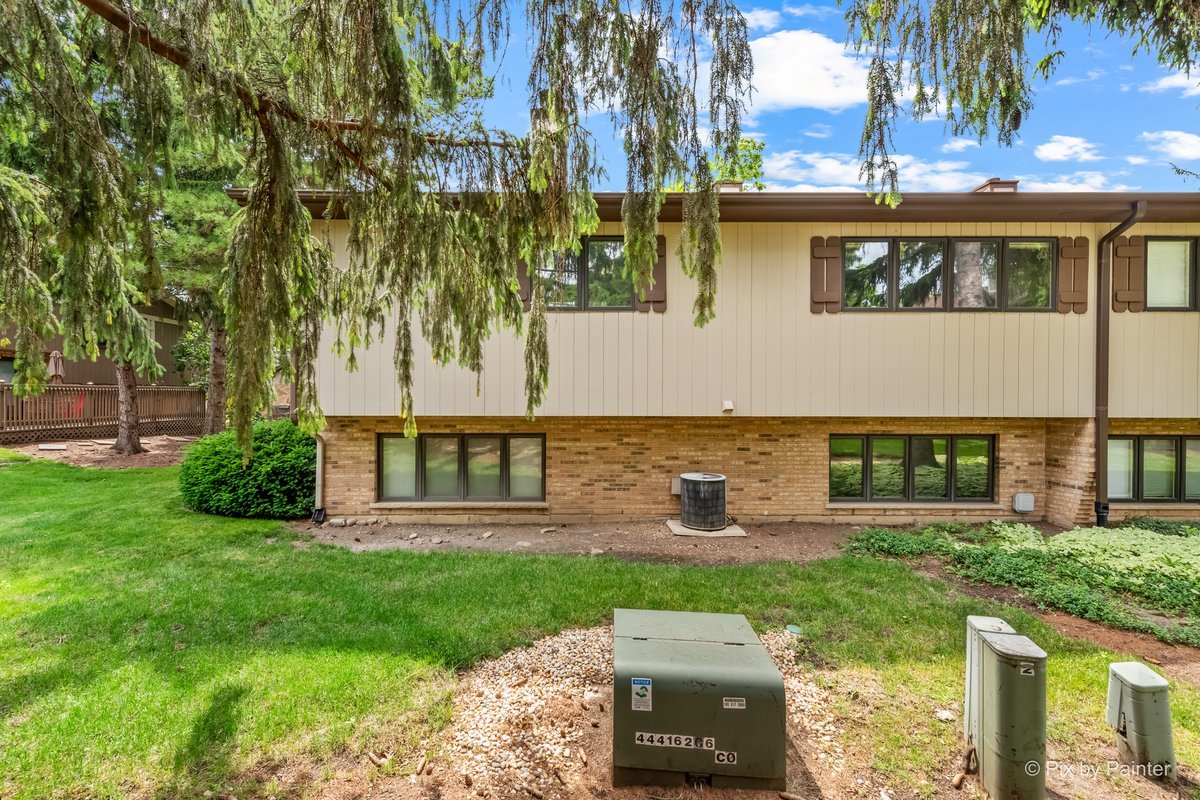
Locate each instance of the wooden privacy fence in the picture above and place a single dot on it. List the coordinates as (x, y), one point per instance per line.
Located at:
(66, 412)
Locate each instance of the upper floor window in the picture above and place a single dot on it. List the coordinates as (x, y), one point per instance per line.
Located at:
(1171, 274)
(939, 273)
(592, 280)
(1154, 468)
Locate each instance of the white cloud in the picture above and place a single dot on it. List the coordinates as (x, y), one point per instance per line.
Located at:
(1174, 144)
(1083, 181)
(818, 130)
(1177, 80)
(808, 187)
(959, 145)
(1137, 161)
(762, 19)
(797, 170)
(1092, 75)
(1066, 148)
(810, 10)
(805, 69)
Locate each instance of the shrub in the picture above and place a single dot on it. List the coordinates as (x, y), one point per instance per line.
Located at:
(279, 482)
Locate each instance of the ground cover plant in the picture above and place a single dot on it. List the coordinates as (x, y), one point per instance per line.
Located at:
(1130, 577)
(1169, 527)
(147, 650)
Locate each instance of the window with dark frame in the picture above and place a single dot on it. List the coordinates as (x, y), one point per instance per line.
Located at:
(1171, 274)
(592, 280)
(942, 273)
(470, 467)
(912, 468)
(1154, 469)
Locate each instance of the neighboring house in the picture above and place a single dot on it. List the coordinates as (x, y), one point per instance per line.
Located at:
(165, 329)
(865, 364)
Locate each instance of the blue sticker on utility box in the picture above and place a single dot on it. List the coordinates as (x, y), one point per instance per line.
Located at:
(643, 689)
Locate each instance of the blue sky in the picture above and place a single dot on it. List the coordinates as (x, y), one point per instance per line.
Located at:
(1104, 121)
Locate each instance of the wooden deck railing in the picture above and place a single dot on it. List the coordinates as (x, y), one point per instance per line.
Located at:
(81, 411)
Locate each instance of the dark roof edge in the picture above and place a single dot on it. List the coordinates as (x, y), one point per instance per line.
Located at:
(855, 207)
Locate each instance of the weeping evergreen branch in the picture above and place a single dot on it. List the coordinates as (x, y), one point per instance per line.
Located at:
(89, 196)
(275, 274)
(23, 291)
(967, 60)
(382, 102)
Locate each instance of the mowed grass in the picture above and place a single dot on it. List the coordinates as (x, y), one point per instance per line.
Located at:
(148, 650)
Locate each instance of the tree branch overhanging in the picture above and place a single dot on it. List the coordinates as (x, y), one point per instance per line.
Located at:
(256, 102)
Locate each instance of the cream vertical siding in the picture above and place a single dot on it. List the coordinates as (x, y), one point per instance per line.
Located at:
(769, 354)
(1155, 367)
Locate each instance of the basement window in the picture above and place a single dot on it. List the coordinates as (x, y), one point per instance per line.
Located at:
(911, 469)
(469, 468)
(1154, 469)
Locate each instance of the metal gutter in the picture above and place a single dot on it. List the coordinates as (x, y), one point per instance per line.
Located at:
(1104, 252)
(1085, 207)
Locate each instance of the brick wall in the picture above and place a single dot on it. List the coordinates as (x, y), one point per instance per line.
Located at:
(1070, 477)
(621, 467)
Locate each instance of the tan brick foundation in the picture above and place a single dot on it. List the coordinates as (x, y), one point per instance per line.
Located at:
(612, 468)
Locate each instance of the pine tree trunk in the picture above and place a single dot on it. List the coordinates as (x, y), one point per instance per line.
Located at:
(922, 453)
(128, 441)
(214, 409)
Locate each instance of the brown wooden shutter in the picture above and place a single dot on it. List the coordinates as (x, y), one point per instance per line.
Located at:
(656, 295)
(523, 283)
(1129, 273)
(825, 273)
(1072, 275)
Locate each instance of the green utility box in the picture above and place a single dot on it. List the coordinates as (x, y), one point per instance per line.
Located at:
(696, 697)
(1139, 709)
(1012, 717)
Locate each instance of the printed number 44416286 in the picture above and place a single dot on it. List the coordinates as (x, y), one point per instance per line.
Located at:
(676, 740)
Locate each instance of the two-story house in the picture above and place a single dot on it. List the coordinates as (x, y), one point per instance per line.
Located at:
(865, 364)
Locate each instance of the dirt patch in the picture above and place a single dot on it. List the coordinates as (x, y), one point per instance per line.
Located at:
(632, 541)
(161, 451)
(1180, 662)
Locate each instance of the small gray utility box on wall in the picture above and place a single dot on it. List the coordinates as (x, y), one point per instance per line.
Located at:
(1139, 709)
(695, 697)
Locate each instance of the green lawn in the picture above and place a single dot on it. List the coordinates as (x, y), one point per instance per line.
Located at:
(147, 649)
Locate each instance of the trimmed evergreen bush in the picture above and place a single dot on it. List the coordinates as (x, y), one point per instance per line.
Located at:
(279, 482)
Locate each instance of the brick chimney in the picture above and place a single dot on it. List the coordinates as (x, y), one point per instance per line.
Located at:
(996, 186)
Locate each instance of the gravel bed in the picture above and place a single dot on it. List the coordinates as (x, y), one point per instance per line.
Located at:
(521, 720)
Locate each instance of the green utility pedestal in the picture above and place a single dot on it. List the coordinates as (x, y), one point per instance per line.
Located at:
(696, 697)
(1012, 755)
(1139, 709)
